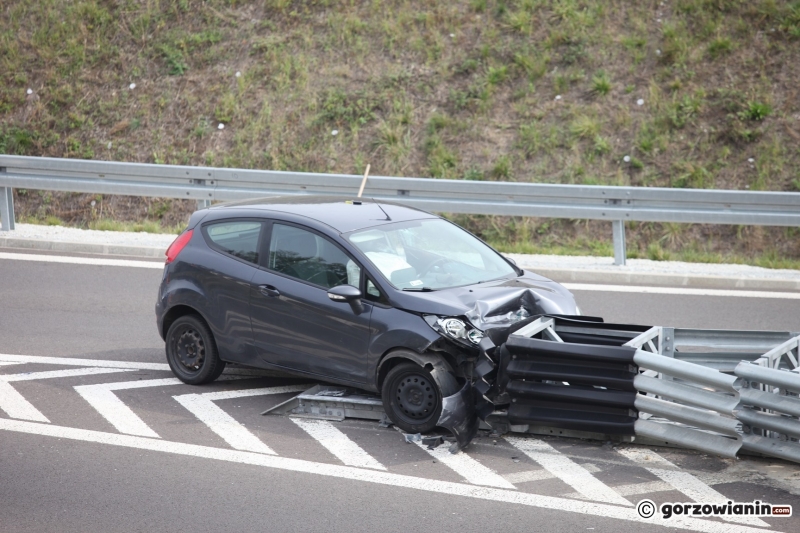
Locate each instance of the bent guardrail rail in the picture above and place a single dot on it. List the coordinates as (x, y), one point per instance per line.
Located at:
(770, 406)
(607, 379)
(615, 204)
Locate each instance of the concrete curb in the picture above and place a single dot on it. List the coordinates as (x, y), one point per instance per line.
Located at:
(83, 247)
(577, 275)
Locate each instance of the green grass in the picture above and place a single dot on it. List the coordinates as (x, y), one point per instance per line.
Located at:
(147, 226)
(460, 89)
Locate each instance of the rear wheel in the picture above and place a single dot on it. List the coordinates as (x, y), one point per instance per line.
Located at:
(412, 398)
(191, 351)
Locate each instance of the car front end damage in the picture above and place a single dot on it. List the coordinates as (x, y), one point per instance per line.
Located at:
(467, 342)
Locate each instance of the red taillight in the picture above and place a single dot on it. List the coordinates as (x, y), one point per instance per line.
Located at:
(178, 245)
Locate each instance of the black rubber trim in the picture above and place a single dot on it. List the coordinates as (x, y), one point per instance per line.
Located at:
(587, 375)
(547, 391)
(608, 424)
(524, 346)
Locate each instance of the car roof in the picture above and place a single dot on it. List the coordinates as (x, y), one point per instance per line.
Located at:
(342, 213)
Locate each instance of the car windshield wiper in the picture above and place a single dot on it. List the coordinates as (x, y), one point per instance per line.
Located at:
(419, 289)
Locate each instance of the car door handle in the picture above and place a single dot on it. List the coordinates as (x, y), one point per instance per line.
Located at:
(269, 290)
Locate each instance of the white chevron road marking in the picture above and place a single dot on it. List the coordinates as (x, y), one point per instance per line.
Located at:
(119, 415)
(75, 361)
(371, 476)
(567, 470)
(338, 443)
(683, 481)
(203, 407)
(467, 467)
(16, 406)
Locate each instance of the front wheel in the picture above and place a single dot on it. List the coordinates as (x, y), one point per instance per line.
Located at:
(411, 397)
(191, 351)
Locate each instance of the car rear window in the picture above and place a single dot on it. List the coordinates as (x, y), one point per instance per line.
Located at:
(238, 238)
(310, 257)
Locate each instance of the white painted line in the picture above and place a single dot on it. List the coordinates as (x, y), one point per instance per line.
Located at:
(203, 407)
(50, 374)
(467, 467)
(338, 443)
(9, 363)
(683, 481)
(16, 406)
(632, 489)
(567, 470)
(222, 424)
(81, 260)
(681, 291)
(74, 361)
(528, 476)
(119, 415)
(371, 476)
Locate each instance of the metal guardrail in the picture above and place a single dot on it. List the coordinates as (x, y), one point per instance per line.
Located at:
(754, 406)
(770, 407)
(627, 380)
(616, 204)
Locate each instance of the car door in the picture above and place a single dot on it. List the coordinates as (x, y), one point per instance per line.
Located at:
(295, 324)
(225, 277)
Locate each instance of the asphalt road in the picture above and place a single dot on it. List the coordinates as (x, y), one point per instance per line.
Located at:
(79, 473)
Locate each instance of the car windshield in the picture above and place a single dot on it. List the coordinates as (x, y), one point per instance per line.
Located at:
(429, 254)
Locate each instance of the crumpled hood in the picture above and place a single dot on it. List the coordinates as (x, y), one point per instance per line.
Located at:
(495, 304)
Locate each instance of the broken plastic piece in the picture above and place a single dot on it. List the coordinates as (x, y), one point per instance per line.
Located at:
(460, 417)
(412, 437)
(432, 442)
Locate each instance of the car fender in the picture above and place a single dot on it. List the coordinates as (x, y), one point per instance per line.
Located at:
(439, 368)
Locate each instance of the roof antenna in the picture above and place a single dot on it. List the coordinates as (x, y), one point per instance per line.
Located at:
(363, 182)
(384, 212)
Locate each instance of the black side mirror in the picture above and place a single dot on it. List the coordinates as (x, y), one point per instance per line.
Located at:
(349, 294)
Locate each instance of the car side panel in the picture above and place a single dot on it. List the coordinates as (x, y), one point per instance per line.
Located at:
(220, 291)
(392, 329)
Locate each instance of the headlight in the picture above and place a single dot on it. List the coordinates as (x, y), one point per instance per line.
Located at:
(457, 329)
(474, 336)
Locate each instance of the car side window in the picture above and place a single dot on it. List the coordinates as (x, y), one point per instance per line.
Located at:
(374, 294)
(307, 256)
(239, 238)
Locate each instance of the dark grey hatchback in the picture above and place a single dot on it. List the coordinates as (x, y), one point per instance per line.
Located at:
(376, 296)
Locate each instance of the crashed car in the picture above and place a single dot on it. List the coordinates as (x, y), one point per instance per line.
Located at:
(371, 295)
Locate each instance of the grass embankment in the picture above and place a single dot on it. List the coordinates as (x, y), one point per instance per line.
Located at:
(679, 93)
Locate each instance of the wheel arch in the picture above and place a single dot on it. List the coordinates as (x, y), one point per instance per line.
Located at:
(177, 311)
(436, 363)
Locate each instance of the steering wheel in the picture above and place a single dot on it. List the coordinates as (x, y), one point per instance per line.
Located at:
(436, 262)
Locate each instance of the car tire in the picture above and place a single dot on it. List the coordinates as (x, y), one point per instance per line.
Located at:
(412, 398)
(191, 351)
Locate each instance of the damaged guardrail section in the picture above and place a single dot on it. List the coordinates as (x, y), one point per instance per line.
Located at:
(769, 405)
(546, 381)
(618, 381)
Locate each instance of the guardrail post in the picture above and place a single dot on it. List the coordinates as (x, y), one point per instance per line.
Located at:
(202, 204)
(618, 230)
(6, 207)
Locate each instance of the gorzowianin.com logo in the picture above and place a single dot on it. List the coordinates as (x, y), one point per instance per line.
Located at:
(647, 509)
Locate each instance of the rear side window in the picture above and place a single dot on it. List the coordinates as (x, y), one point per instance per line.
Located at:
(307, 256)
(236, 237)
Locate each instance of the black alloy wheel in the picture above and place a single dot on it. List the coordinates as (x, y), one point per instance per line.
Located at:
(191, 351)
(412, 398)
